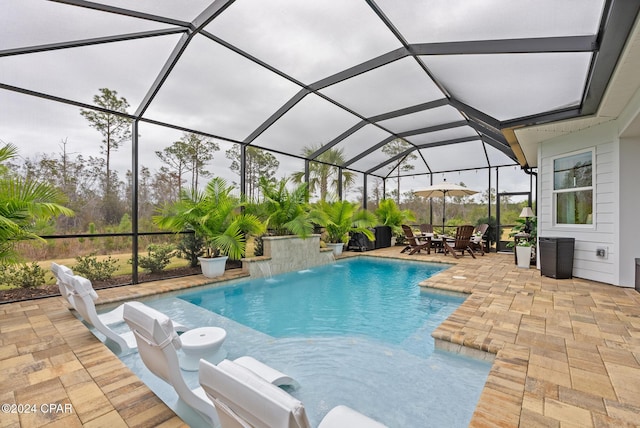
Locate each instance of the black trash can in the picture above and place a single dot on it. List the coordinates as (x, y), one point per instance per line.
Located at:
(556, 257)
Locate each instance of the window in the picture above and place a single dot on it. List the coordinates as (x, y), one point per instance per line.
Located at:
(573, 188)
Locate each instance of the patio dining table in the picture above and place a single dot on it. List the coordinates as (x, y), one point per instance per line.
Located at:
(435, 242)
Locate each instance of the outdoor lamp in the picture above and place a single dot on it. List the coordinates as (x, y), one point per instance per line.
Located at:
(526, 213)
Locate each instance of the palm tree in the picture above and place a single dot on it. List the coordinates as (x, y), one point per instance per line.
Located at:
(214, 215)
(323, 175)
(23, 204)
(287, 211)
(343, 217)
(391, 215)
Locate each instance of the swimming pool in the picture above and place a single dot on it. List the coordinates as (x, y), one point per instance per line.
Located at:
(357, 332)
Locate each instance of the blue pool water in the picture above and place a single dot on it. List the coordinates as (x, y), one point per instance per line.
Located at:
(378, 299)
(357, 332)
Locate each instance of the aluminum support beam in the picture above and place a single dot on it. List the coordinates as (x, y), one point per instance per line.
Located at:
(125, 12)
(619, 19)
(91, 42)
(508, 46)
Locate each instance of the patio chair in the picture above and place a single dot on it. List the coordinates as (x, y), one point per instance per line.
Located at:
(461, 243)
(62, 272)
(477, 239)
(158, 345)
(414, 245)
(243, 399)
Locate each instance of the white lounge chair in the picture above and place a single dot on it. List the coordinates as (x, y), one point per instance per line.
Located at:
(63, 275)
(158, 344)
(84, 305)
(65, 288)
(243, 399)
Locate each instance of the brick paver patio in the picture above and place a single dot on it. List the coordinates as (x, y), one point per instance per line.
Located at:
(566, 352)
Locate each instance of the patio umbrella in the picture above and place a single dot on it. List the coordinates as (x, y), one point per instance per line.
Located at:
(442, 190)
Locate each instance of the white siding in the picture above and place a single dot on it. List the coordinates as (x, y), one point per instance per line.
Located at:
(629, 217)
(603, 233)
(617, 197)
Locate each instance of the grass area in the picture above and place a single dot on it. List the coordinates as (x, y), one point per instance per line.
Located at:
(123, 265)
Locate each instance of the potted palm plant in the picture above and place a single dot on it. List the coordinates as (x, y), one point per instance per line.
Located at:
(389, 214)
(215, 215)
(287, 211)
(343, 217)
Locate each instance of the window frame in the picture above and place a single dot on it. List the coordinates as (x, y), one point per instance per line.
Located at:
(555, 192)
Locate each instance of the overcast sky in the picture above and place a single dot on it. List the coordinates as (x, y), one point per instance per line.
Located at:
(217, 91)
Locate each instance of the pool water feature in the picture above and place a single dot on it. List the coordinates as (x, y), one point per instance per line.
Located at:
(357, 332)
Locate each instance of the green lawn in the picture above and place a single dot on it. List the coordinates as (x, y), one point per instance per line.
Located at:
(123, 266)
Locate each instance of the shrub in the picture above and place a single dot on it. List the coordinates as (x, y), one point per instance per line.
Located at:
(158, 258)
(190, 248)
(23, 275)
(94, 270)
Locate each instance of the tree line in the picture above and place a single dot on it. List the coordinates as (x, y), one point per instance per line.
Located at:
(102, 198)
(100, 195)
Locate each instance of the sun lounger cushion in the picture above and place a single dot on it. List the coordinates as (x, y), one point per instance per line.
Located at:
(266, 372)
(252, 398)
(343, 416)
(58, 269)
(147, 320)
(86, 287)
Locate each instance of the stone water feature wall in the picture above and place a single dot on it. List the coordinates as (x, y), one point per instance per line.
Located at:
(286, 254)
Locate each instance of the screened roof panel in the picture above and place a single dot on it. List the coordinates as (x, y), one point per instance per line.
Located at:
(311, 122)
(458, 156)
(497, 158)
(462, 20)
(413, 164)
(39, 123)
(509, 86)
(181, 10)
(128, 67)
(361, 140)
(214, 90)
(399, 84)
(380, 159)
(29, 23)
(495, 64)
(422, 119)
(370, 161)
(307, 40)
(444, 135)
(408, 168)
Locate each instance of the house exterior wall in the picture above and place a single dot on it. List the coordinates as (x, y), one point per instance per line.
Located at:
(604, 231)
(616, 224)
(629, 216)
